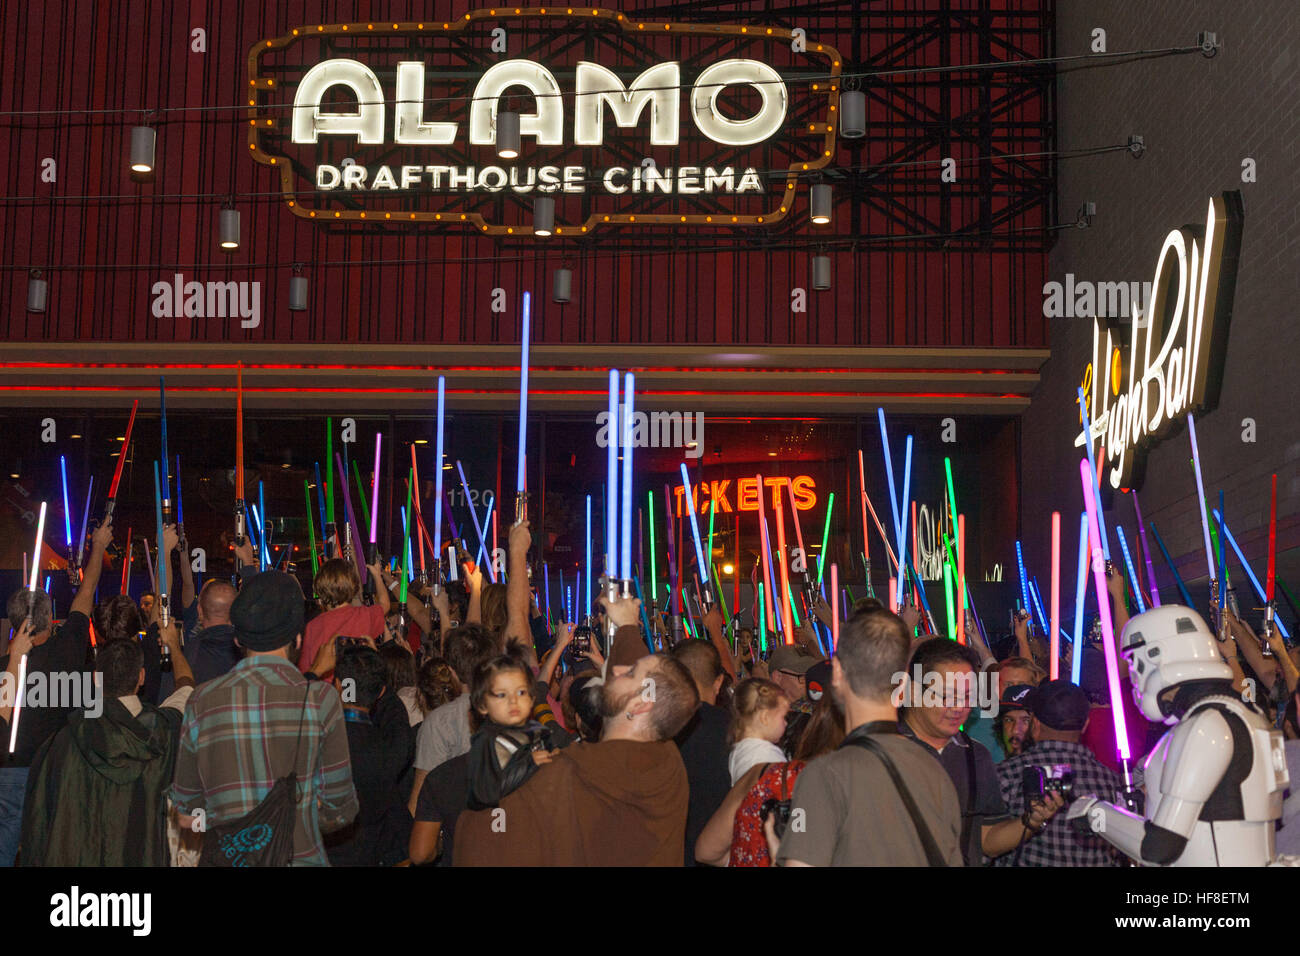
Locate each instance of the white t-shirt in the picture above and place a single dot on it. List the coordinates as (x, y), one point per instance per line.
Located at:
(750, 752)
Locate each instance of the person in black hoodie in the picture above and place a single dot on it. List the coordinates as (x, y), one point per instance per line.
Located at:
(98, 789)
(381, 743)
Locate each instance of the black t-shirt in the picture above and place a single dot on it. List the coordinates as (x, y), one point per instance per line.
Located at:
(703, 746)
(61, 661)
(443, 796)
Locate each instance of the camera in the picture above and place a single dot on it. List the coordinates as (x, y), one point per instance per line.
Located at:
(1037, 782)
(580, 645)
(780, 809)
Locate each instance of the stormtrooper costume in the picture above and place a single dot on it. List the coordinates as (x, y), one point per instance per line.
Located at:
(1214, 782)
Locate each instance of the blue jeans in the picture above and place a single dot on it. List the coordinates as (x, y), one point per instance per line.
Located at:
(13, 787)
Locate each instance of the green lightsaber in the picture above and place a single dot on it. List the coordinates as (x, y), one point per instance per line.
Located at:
(311, 530)
(406, 543)
(654, 573)
(826, 533)
(361, 492)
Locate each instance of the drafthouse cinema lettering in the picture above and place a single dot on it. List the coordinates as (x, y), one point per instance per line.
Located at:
(397, 122)
(1172, 364)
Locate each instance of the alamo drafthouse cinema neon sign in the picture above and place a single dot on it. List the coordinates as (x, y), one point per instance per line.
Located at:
(650, 124)
(1172, 364)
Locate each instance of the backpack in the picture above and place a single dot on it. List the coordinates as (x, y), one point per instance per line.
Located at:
(264, 835)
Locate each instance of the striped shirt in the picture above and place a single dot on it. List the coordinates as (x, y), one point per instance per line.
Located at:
(238, 737)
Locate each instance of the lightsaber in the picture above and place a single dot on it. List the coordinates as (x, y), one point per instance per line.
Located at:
(148, 563)
(1260, 593)
(587, 565)
(961, 583)
(1055, 665)
(263, 524)
(239, 455)
(889, 469)
(311, 529)
(1223, 558)
(362, 498)
(1146, 552)
(164, 596)
(1080, 590)
(763, 548)
(166, 461)
(611, 478)
(826, 534)
(121, 460)
(546, 583)
(489, 513)
(320, 504)
(521, 484)
(328, 530)
(866, 542)
(947, 595)
(350, 528)
(1270, 576)
(1093, 470)
(67, 511)
(180, 511)
(902, 535)
(1024, 579)
(126, 565)
(438, 482)
(835, 606)
(1038, 602)
(478, 528)
(654, 573)
(85, 518)
(407, 516)
(374, 503)
(689, 494)
(1132, 574)
(625, 532)
(1200, 501)
(18, 701)
(1107, 625)
(36, 551)
(798, 535)
(421, 536)
(762, 620)
(1182, 588)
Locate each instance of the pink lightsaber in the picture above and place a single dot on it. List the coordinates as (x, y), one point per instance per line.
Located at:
(835, 606)
(961, 581)
(1107, 624)
(1056, 595)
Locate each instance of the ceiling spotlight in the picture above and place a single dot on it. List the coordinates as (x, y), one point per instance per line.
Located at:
(228, 229)
(853, 114)
(821, 273)
(543, 215)
(143, 140)
(507, 134)
(38, 292)
(562, 286)
(820, 206)
(728, 569)
(299, 289)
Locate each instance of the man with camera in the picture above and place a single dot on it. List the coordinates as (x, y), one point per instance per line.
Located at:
(1056, 764)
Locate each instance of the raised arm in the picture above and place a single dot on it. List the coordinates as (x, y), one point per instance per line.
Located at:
(84, 602)
(187, 575)
(517, 600)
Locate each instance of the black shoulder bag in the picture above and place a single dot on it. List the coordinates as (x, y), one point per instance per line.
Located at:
(933, 855)
(264, 835)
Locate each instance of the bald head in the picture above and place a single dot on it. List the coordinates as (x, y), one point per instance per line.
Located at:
(214, 603)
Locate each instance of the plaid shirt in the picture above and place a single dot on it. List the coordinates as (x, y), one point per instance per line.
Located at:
(1059, 844)
(238, 737)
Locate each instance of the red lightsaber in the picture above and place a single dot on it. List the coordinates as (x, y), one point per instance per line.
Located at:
(126, 564)
(415, 477)
(121, 460)
(239, 455)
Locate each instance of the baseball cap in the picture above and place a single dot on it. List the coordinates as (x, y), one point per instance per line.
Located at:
(268, 611)
(818, 679)
(1015, 697)
(791, 658)
(1059, 704)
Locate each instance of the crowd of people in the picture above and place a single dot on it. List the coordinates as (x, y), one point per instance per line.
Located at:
(462, 728)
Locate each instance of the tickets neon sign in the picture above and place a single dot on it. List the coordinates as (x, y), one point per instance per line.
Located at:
(745, 493)
(1175, 352)
(396, 123)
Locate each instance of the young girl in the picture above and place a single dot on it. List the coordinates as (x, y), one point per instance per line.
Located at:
(761, 709)
(508, 746)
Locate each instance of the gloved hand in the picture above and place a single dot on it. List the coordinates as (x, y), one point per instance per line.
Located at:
(1079, 814)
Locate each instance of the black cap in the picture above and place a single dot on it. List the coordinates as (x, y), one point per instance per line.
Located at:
(268, 613)
(818, 680)
(1015, 697)
(1060, 705)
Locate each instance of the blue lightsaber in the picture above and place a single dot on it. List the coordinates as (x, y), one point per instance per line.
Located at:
(320, 500)
(478, 528)
(522, 480)
(1132, 575)
(1080, 589)
(611, 479)
(85, 517)
(695, 529)
(1254, 581)
(1182, 588)
(180, 512)
(625, 530)
(903, 515)
(166, 462)
(1223, 556)
(164, 611)
(67, 512)
(1038, 606)
(1024, 579)
(1092, 469)
(588, 564)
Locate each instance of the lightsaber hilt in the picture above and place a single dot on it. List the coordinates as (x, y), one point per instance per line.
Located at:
(521, 507)
(1265, 648)
(331, 534)
(239, 523)
(164, 620)
(349, 553)
(167, 510)
(108, 509)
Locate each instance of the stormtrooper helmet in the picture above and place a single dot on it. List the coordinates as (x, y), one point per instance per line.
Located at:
(1165, 647)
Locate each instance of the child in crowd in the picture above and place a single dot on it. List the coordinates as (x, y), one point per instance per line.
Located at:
(508, 746)
(761, 709)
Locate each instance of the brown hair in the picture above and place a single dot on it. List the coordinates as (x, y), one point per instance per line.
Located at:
(752, 695)
(676, 697)
(336, 583)
(492, 608)
(483, 676)
(436, 684)
(824, 730)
